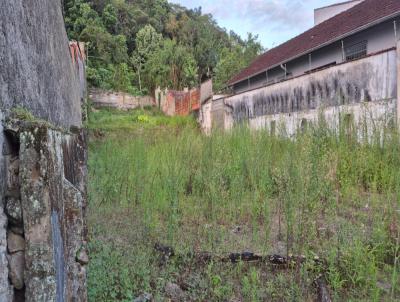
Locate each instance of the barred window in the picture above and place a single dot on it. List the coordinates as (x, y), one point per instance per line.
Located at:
(356, 51)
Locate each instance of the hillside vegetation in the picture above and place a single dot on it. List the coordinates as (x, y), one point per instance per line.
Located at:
(322, 197)
(135, 46)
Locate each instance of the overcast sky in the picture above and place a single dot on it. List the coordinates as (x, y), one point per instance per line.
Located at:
(275, 21)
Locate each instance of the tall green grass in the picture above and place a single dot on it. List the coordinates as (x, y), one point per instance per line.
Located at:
(317, 194)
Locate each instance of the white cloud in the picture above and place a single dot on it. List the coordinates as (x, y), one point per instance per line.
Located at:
(275, 14)
(280, 14)
(274, 20)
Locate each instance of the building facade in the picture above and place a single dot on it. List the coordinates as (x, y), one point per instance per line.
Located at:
(344, 66)
(302, 56)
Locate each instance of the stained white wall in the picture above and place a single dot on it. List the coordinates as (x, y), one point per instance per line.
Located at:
(205, 119)
(366, 88)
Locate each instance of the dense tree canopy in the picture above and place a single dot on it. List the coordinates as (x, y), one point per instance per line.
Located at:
(138, 45)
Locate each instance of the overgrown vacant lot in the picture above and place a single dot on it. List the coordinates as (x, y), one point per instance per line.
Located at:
(330, 202)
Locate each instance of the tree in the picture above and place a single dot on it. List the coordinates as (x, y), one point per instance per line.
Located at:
(122, 78)
(190, 46)
(78, 15)
(235, 58)
(103, 46)
(147, 42)
(110, 18)
(157, 10)
(171, 66)
(127, 24)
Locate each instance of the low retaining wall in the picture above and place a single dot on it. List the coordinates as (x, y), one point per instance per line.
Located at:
(119, 100)
(366, 89)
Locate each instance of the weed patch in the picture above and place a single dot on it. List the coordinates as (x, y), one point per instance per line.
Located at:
(317, 195)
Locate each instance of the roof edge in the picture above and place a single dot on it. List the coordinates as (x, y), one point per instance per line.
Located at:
(335, 4)
(302, 75)
(366, 26)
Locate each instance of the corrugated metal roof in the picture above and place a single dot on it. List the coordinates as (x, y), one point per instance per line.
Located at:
(348, 22)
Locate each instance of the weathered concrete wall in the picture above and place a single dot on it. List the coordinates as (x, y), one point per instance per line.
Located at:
(205, 119)
(212, 110)
(119, 100)
(45, 200)
(367, 88)
(42, 167)
(6, 290)
(36, 70)
(218, 114)
(52, 194)
(206, 91)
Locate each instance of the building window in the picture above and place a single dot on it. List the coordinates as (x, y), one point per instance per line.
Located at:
(356, 51)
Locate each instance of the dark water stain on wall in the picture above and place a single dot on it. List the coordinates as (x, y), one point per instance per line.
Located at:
(58, 249)
(339, 88)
